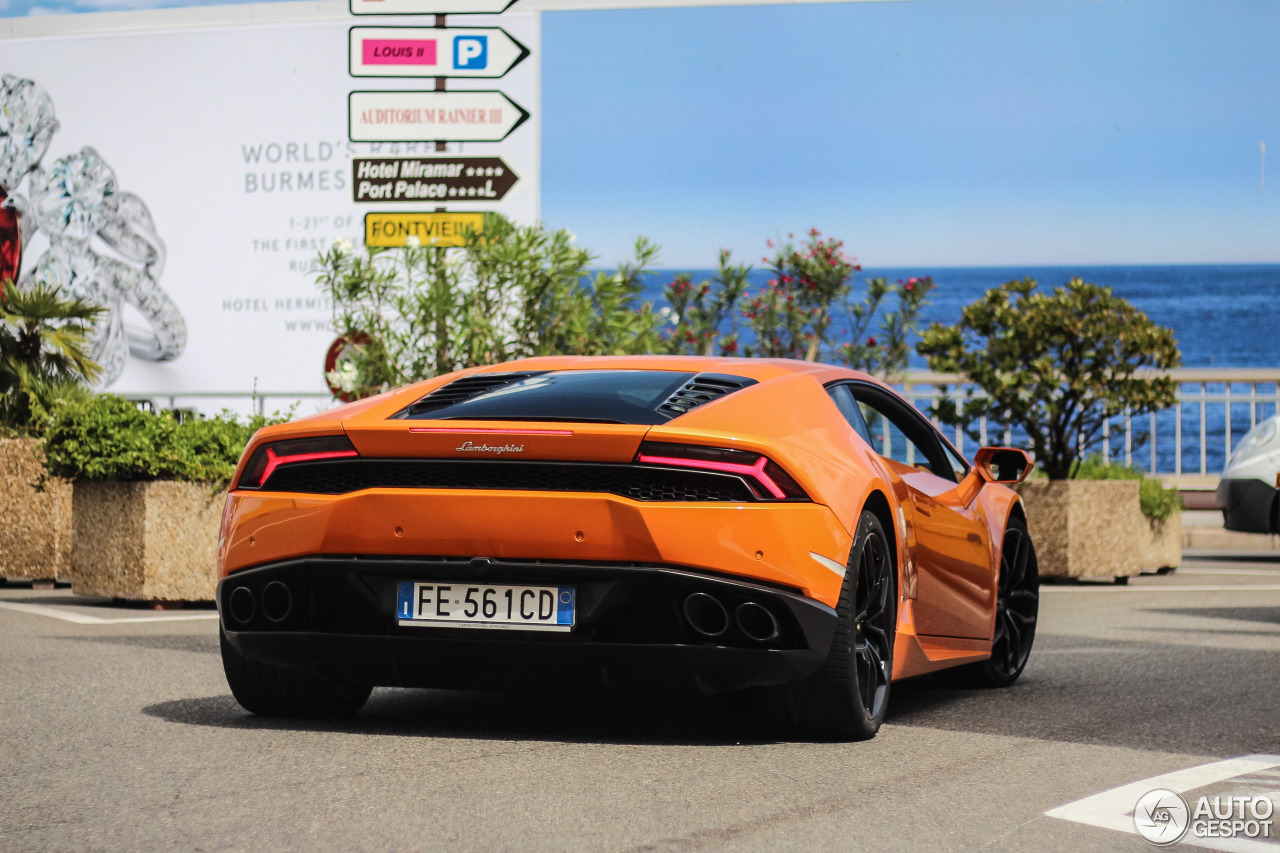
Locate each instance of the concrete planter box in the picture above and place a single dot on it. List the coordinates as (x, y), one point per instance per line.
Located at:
(1086, 528)
(35, 527)
(145, 541)
(1162, 545)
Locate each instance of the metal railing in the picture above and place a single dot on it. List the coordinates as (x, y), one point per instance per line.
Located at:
(1216, 407)
(180, 400)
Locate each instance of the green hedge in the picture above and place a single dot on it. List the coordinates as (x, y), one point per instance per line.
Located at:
(1158, 503)
(106, 437)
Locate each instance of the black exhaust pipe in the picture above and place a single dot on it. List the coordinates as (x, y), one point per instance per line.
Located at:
(756, 622)
(241, 604)
(706, 614)
(277, 601)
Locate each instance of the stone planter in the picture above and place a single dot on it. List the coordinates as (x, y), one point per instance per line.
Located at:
(1085, 528)
(35, 530)
(145, 541)
(1162, 545)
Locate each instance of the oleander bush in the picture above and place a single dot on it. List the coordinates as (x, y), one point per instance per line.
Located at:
(518, 291)
(810, 309)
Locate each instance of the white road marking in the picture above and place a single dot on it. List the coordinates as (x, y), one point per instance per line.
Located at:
(88, 619)
(1104, 587)
(1114, 809)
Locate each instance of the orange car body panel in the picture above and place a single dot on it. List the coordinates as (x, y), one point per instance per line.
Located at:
(947, 535)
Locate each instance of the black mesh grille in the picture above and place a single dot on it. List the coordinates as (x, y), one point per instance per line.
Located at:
(639, 482)
(466, 388)
(702, 389)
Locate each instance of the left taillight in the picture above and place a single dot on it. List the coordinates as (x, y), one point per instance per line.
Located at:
(766, 478)
(267, 458)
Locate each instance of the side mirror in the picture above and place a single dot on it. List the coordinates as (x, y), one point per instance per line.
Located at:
(1007, 465)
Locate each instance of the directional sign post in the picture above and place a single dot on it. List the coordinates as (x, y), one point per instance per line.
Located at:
(472, 116)
(431, 179)
(390, 230)
(433, 52)
(430, 7)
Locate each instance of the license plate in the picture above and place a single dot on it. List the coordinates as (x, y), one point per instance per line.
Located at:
(464, 605)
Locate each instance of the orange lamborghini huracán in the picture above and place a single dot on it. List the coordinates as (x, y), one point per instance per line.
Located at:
(660, 521)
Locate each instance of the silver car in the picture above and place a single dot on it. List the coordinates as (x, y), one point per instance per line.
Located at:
(1251, 481)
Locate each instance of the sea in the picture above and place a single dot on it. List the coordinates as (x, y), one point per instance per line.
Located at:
(1222, 315)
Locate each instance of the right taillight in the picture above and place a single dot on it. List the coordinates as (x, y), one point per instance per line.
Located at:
(268, 457)
(765, 478)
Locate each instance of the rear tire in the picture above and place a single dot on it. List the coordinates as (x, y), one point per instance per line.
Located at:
(277, 691)
(847, 698)
(1017, 607)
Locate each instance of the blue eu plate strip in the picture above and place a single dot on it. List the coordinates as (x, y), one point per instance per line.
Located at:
(404, 599)
(564, 606)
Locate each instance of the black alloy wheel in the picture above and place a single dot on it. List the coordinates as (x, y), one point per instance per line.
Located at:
(1018, 604)
(846, 699)
(873, 624)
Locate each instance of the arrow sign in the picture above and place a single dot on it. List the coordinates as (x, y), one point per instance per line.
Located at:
(431, 179)
(433, 52)
(432, 116)
(430, 7)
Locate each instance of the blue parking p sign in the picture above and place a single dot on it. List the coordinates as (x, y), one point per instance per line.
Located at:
(471, 53)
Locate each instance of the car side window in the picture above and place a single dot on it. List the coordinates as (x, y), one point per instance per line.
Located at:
(901, 435)
(956, 461)
(848, 407)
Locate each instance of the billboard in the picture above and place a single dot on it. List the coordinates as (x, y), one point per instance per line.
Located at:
(187, 178)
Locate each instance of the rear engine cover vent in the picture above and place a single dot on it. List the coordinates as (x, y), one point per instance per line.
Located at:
(702, 389)
(463, 389)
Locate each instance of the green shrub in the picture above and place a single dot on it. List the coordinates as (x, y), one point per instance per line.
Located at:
(510, 292)
(1157, 502)
(1058, 365)
(106, 437)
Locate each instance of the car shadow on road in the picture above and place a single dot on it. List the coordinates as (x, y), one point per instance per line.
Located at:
(1143, 695)
(578, 716)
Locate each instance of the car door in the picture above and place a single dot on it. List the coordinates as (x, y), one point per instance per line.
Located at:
(954, 575)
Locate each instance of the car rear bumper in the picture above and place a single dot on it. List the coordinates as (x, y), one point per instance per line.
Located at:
(758, 542)
(1248, 505)
(631, 627)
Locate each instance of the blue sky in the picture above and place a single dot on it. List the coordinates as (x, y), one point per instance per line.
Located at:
(949, 132)
(930, 132)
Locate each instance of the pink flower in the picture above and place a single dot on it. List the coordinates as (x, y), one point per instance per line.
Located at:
(871, 342)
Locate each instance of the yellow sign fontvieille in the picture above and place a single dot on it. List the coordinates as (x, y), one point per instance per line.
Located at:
(389, 230)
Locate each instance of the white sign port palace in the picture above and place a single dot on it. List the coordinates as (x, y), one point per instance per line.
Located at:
(475, 52)
(472, 116)
(430, 7)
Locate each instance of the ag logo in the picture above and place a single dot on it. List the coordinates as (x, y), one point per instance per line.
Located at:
(471, 53)
(1161, 816)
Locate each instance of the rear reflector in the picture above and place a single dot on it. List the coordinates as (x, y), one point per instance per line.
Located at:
(765, 477)
(268, 457)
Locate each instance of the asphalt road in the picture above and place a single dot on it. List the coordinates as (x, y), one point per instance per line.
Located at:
(122, 735)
